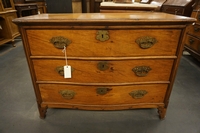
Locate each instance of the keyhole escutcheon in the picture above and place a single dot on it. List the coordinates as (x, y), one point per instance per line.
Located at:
(102, 35)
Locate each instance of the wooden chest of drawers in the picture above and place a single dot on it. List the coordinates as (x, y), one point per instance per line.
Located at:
(124, 61)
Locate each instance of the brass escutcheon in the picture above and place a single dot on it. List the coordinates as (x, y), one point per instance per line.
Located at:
(103, 65)
(59, 42)
(102, 35)
(138, 94)
(146, 42)
(68, 94)
(141, 71)
(102, 90)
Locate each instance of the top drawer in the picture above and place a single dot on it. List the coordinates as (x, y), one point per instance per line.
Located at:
(124, 43)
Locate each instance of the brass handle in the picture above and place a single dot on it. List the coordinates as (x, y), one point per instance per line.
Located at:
(138, 94)
(59, 42)
(191, 41)
(102, 90)
(146, 42)
(103, 65)
(102, 35)
(60, 70)
(68, 94)
(141, 71)
(196, 29)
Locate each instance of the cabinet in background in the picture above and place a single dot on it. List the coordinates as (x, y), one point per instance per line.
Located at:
(192, 43)
(178, 7)
(8, 30)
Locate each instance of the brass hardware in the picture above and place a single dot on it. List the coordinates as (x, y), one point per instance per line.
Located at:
(138, 94)
(102, 90)
(196, 29)
(68, 94)
(141, 71)
(191, 41)
(146, 42)
(103, 65)
(102, 35)
(59, 42)
(60, 70)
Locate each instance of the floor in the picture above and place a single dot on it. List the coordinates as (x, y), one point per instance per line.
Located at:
(19, 114)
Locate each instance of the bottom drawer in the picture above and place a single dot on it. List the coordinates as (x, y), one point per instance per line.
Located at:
(102, 95)
(193, 43)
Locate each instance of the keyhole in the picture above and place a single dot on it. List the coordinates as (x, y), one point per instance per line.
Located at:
(102, 35)
(103, 66)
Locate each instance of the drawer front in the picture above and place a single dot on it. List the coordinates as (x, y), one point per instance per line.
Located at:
(119, 43)
(173, 10)
(102, 95)
(193, 43)
(105, 71)
(194, 30)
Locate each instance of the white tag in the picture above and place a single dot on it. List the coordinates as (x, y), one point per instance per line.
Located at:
(67, 71)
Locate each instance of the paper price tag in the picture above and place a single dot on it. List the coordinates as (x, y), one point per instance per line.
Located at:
(67, 71)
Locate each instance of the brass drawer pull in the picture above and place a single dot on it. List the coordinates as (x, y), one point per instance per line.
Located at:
(146, 42)
(59, 42)
(68, 94)
(102, 90)
(138, 94)
(60, 70)
(191, 41)
(102, 35)
(141, 71)
(196, 29)
(103, 65)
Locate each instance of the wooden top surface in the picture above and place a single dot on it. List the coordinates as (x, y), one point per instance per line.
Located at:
(103, 18)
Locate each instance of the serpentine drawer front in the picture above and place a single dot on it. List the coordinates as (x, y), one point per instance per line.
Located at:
(115, 61)
(105, 71)
(103, 95)
(120, 42)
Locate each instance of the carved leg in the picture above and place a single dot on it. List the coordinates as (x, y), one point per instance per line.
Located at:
(42, 111)
(162, 112)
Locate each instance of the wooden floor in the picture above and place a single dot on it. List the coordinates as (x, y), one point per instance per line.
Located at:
(19, 114)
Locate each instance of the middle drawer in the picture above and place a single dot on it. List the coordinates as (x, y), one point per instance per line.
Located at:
(115, 71)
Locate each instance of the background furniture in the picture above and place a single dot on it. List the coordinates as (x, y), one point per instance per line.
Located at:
(119, 61)
(8, 30)
(29, 7)
(26, 9)
(192, 43)
(123, 7)
(178, 7)
(63, 6)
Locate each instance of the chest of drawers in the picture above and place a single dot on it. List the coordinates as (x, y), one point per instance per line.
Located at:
(192, 42)
(124, 61)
